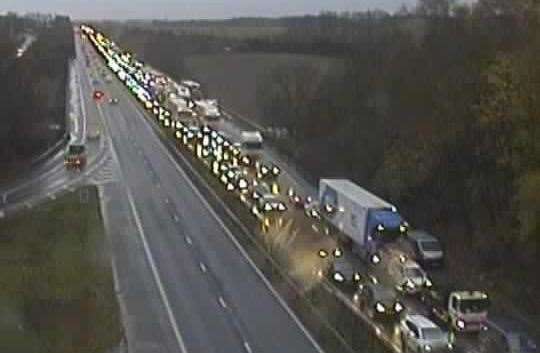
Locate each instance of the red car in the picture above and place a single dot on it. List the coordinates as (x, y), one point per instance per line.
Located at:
(98, 95)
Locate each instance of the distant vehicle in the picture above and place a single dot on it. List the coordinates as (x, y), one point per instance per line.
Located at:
(404, 274)
(462, 311)
(506, 336)
(75, 156)
(192, 85)
(183, 108)
(421, 335)
(108, 78)
(425, 248)
(378, 301)
(98, 95)
(113, 100)
(367, 221)
(208, 108)
(312, 209)
(296, 200)
(259, 190)
(251, 139)
(343, 269)
(268, 203)
(94, 134)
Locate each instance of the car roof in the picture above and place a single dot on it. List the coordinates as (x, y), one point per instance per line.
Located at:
(420, 235)
(383, 292)
(421, 321)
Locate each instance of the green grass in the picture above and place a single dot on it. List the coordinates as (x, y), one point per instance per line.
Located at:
(56, 283)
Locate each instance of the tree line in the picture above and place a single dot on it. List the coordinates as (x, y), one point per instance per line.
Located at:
(33, 89)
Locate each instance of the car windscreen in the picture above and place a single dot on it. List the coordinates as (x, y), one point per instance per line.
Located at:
(76, 149)
(430, 245)
(432, 334)
(473, 305)
(413, 273)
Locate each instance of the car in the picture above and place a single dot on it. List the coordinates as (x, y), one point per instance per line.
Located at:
(424, 248)
(398, 270)
(268, 203)
(94, 134)
(297, 201)
(259, 190)
(378, 301)
(421, 335)
(113, 100)
(312, 209)
(98, 95)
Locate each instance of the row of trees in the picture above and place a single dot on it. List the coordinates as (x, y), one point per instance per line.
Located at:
(439, 114)
(33, 90)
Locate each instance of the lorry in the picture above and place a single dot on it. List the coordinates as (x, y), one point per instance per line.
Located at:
(75, 156)
(461, 310)
(367, 221)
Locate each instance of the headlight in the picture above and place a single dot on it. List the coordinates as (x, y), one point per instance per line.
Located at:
(338, 277)
(276, 171)
(357, 277)
(429, 284)
(409, 284)
(282, 207)
(380, 227)
(402, 228)
(380, 308)
(267, 207)
(338, 252)
(450, 346)
(427, 348)
(242, 184)
(375, 259)
(460, 324)
(398, 307)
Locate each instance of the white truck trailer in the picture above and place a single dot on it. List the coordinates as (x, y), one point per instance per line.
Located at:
(365, 219)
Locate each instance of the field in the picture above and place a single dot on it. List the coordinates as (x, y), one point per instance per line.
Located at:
(232, 78)
(57, 286)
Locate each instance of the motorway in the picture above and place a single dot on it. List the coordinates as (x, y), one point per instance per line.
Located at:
(184, 283)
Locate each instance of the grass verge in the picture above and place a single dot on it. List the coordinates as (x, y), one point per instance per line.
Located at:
(57, 286)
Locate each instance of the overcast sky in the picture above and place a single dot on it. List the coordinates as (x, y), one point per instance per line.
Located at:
(187, 9)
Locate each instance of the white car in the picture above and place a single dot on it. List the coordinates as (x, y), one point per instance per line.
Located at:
(421, 335)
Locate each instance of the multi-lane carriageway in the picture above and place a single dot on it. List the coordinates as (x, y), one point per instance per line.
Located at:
(146, 166)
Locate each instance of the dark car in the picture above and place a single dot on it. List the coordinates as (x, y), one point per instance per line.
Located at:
(378, 301)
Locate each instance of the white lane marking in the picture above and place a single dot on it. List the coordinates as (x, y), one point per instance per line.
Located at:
(203, 267)
(176, 219)
(148, 252)
(247, 347)
(155, 273)
(167, 201)
(188, 240)
(222, 302)
(268, 285)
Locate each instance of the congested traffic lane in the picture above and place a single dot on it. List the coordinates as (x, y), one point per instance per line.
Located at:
(218, 300)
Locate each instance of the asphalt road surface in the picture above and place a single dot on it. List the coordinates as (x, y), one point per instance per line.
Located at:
(184, 284)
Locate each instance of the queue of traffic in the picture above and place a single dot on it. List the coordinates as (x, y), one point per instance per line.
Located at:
(379, 260)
